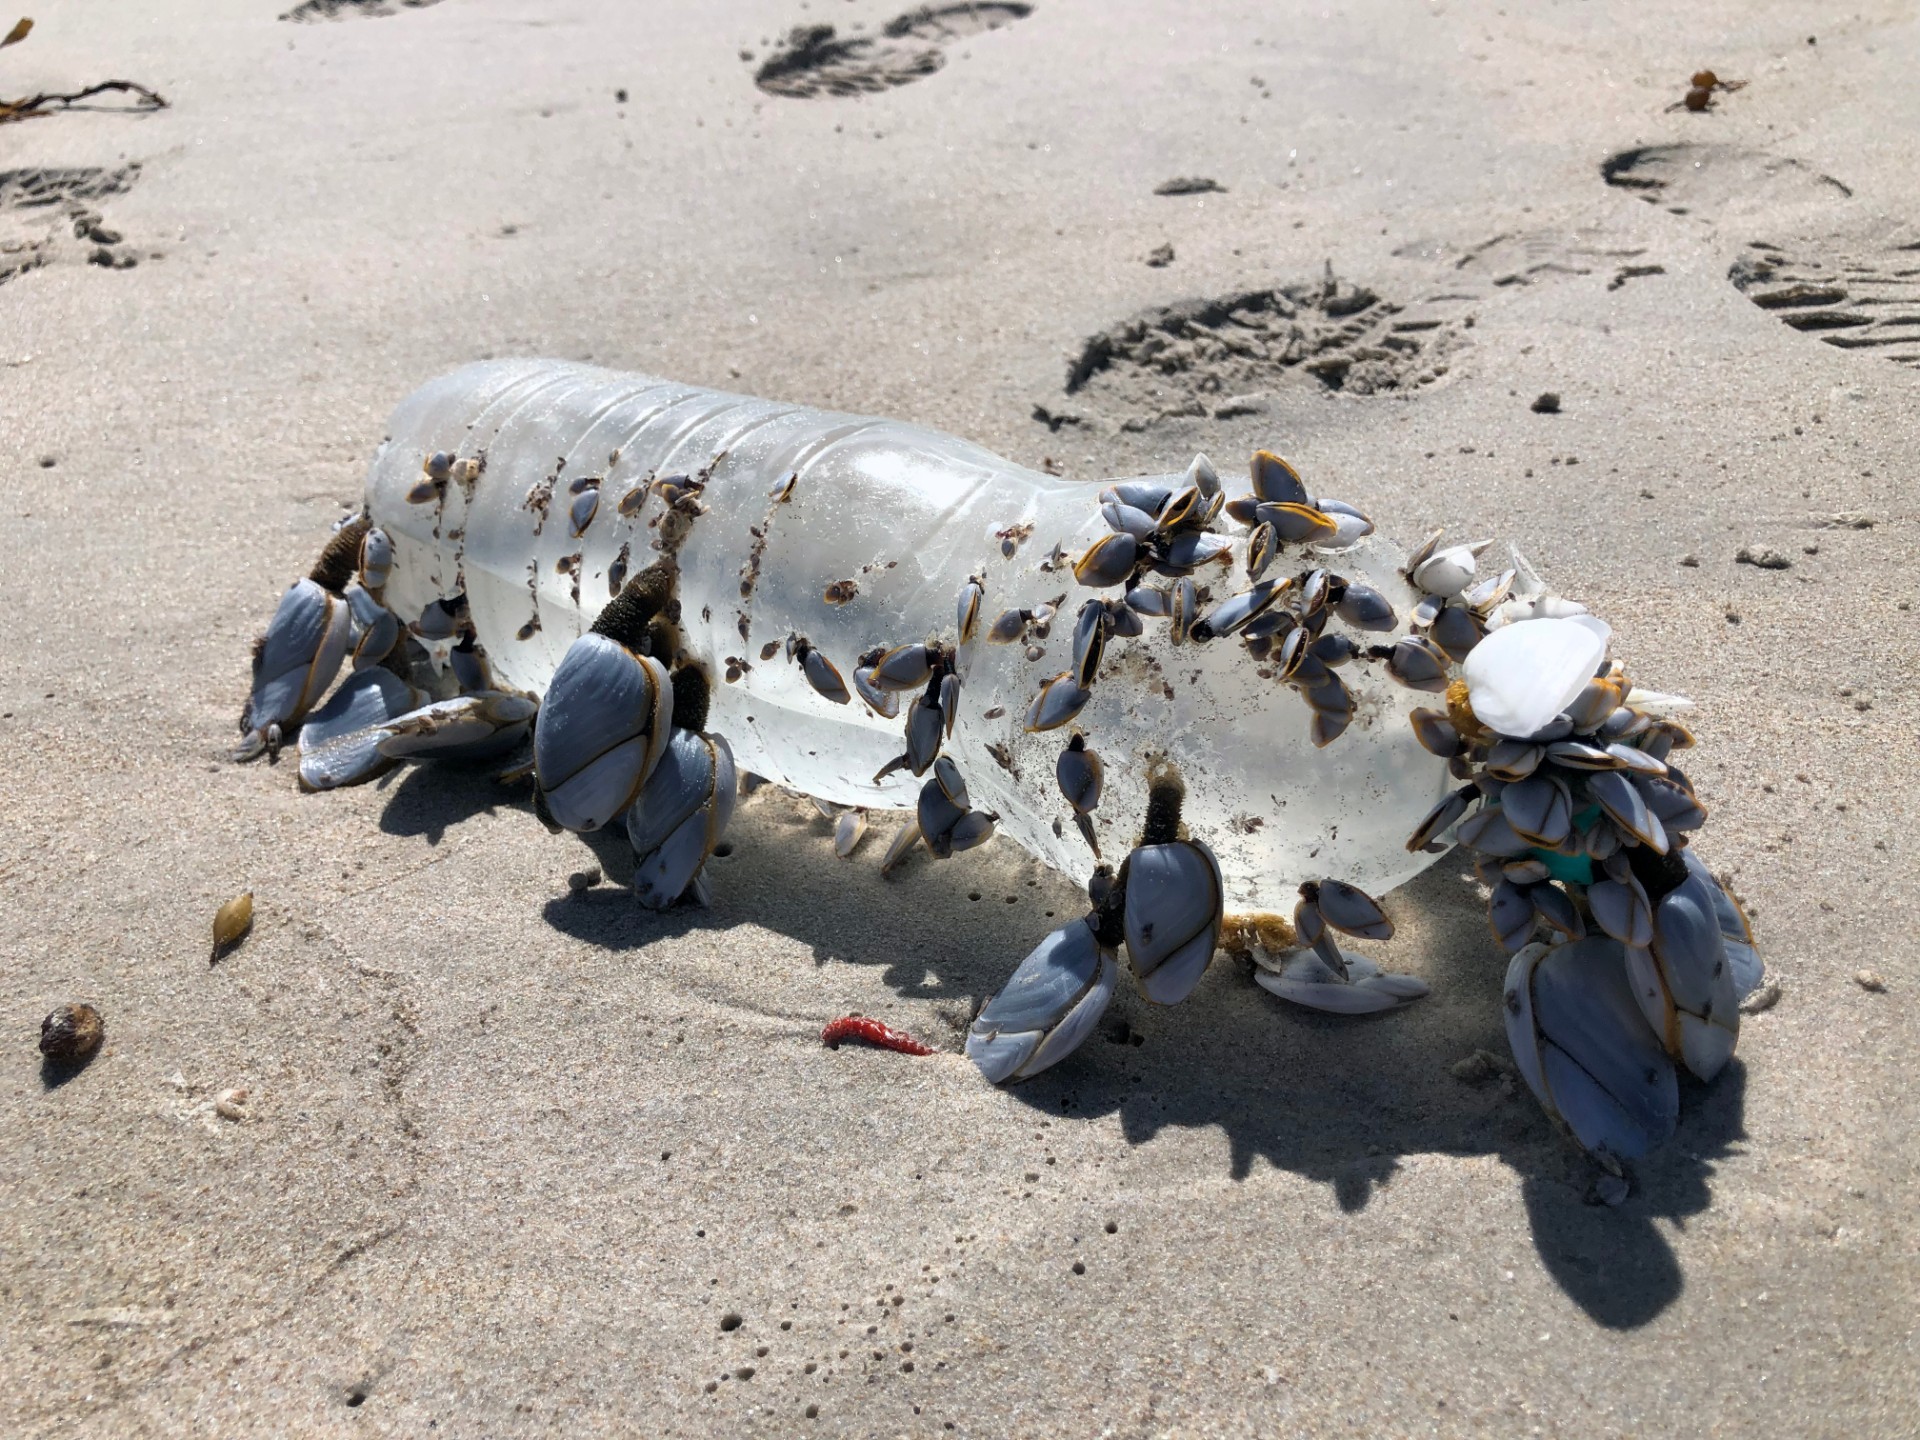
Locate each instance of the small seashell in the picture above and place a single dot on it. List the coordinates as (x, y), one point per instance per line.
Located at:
(1203, 477)
(848, 831)
(231, 923)
(1184, 506)
(900, 847)
(232, 1104)
(1365, 608)
(1010, 625)
(1107, 562)
(1261, 545)
(1447, 572)
(71, 1032)
(1275, 481)
(1871, 981)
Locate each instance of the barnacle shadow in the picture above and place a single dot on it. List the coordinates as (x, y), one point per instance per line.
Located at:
(428, 800)
(1614, 1263)
(1341, 1100)
(1338, 1100)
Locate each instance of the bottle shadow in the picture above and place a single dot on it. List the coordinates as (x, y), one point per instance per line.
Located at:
(1335, 1099)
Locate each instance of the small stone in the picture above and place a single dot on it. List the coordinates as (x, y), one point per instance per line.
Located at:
(1190, 185)
(1547, 402)
(731, 1320)
(1609, 1190)
(620, 96)
(101, 235)
(1692, 562)
(47, 462)
(1809, 549)
(71, 1032)
(1764, 557)
(1764, 998)
(581, 880)
(745, 1372)
(1160, 257)
(1237, 405)
(1478, 1068)
(101, 256)
(812, 1412)
(1871, 981)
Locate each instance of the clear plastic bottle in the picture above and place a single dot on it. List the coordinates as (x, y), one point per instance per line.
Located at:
(858, 533)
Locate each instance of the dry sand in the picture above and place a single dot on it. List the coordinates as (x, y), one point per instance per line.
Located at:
(508, 1158)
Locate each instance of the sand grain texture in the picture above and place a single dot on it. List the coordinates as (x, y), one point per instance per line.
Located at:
(508, 1155)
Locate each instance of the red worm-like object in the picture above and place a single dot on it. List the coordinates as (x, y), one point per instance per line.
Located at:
(859, 1027)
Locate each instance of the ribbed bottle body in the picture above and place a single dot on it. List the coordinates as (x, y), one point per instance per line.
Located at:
(856, 533)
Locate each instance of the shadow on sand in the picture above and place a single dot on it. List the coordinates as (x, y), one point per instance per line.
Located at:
(1335, 1099)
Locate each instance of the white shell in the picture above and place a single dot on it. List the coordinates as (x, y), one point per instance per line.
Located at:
(1447, 573)
(1657, 703)
(1521, 676)
(1306, 979)
(1534, 607)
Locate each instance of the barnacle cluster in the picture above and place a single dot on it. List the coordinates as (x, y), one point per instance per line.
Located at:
(648, 711)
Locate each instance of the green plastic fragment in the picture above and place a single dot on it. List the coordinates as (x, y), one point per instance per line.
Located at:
(1573, 869)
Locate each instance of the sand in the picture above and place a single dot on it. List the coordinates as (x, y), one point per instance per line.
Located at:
(509, 1160)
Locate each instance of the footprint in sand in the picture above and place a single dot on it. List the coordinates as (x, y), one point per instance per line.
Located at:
(1213, 356)
(1858, 292)
(1517, 259)
(37, 205)
(815, 61)
(1855, 289)
(1219, 356)
(313, 10)
(1689, 179)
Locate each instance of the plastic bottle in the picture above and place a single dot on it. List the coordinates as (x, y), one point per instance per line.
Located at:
(857, 533)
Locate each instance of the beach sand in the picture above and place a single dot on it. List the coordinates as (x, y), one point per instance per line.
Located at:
(511, 1161)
